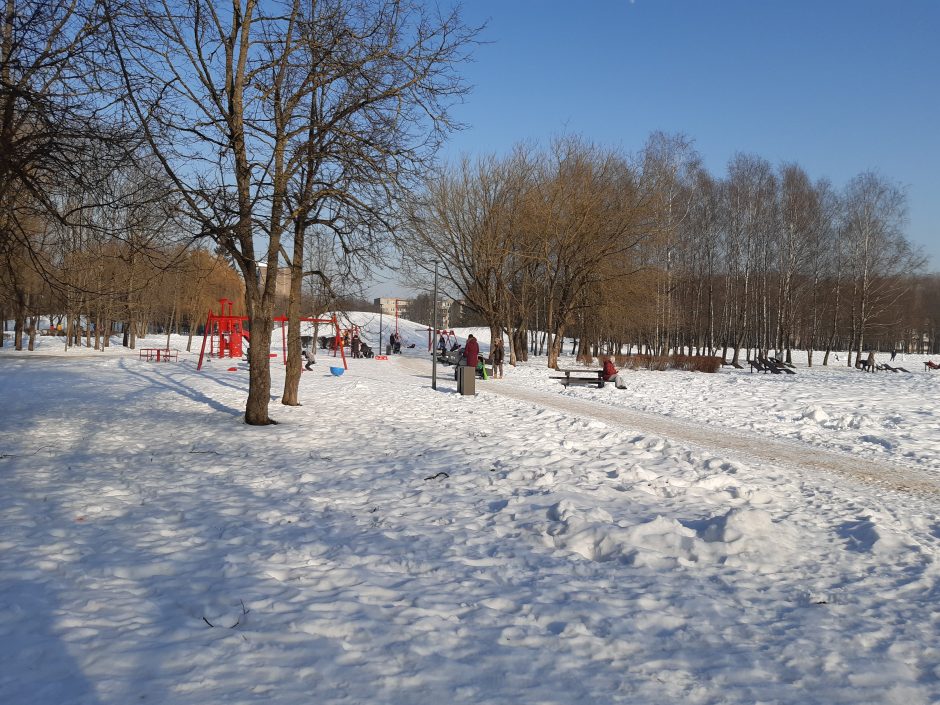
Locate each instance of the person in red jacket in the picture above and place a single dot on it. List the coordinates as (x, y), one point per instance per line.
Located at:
(471, 351)
(610, 372)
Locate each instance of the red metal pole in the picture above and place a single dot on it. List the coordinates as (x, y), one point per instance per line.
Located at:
(340, 345)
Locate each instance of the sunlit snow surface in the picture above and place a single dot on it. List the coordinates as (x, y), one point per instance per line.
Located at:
(559, 560)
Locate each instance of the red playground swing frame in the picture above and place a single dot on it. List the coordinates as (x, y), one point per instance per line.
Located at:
(338, 340)
(225, 334)
(449, 336)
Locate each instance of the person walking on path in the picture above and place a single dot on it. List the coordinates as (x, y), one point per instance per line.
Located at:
(496, 356)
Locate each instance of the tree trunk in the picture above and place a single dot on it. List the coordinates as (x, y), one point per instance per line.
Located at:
(33, 325)
(294, 370)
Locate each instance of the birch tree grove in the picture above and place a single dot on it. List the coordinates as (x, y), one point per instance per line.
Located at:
(657, 254)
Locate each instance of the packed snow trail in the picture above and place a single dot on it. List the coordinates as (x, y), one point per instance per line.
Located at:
(754, 449)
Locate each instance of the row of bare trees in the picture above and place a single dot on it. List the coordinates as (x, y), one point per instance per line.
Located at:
(111, 289)
(283, 132)
(650, 250)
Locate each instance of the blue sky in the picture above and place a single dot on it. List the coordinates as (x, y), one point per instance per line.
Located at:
(838, 86)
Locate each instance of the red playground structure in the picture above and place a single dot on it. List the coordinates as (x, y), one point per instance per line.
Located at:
(224, 333)
(337, 340)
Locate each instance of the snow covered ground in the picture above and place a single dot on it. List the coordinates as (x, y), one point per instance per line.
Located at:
(387, 543)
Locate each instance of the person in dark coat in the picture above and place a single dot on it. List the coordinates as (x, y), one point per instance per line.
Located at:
(471, 351)
(354, 345)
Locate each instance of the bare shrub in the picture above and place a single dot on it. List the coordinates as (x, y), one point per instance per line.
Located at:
(659, 363)
(704, 363)
(636, 362)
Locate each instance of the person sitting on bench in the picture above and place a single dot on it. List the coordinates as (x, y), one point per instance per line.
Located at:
(610, 372)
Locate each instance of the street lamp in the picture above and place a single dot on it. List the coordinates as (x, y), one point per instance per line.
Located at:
(434, 338)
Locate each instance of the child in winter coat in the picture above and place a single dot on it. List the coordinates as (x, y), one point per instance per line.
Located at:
(309, 358)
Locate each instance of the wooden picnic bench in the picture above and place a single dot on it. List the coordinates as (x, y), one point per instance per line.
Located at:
(581, 377)
(159, 354)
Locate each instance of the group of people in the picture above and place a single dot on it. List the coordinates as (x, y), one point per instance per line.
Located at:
(394, 341)
(358, 348)
(471, 351)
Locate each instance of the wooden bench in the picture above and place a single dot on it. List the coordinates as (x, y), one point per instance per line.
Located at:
(582, 377)
(761, 366)
(777, 366)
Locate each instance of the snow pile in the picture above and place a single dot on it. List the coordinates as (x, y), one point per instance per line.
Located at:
(816, 414)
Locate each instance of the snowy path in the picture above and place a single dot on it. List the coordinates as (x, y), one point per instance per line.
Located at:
(751, 448)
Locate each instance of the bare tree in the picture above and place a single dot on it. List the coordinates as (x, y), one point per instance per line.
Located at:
(379, 78)
(874, 211)
(231, 97)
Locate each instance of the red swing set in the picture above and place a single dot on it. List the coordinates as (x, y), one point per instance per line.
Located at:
(337, 340)
(450, 339)
(225, 334)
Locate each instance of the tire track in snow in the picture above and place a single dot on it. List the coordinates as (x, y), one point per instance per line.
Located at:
(752, 448)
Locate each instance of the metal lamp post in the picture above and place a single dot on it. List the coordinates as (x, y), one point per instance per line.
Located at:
(434, 337)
